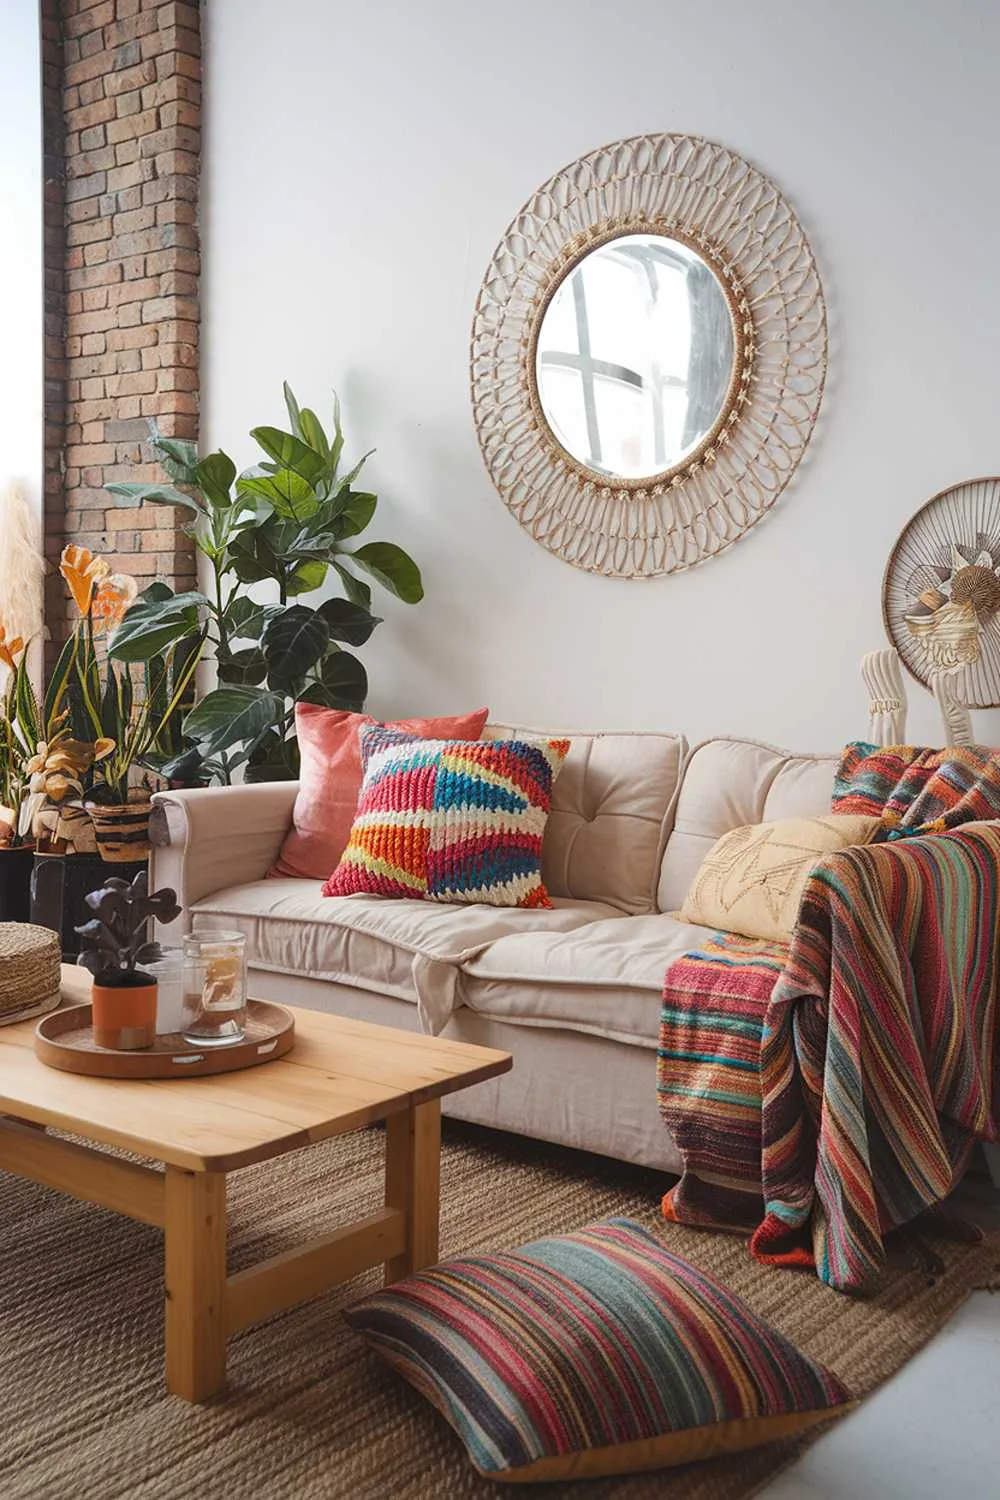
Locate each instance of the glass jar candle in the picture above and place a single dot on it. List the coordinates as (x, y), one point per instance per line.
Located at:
(215, 988)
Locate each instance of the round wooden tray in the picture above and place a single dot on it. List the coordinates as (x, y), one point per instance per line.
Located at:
(65, 1040)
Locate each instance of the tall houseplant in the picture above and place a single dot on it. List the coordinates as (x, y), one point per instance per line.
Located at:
(289, 524)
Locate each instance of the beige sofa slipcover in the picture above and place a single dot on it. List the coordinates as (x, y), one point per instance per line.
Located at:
(573, 993)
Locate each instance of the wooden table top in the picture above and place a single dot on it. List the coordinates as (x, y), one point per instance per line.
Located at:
(339, 1076)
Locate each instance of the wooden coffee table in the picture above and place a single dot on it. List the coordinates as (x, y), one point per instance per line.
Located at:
(341, 1075)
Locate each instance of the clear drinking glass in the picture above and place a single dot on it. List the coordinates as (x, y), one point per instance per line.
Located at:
(215, 988)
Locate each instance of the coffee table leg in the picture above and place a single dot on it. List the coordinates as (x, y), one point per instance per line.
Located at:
(195, 1266)
(412, 1183)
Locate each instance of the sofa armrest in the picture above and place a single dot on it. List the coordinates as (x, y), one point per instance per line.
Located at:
(209, 838)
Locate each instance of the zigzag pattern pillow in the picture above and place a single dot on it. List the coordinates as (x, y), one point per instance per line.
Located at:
(450, 820)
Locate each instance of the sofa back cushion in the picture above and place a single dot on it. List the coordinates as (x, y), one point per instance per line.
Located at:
(611, 809)
(728, 784)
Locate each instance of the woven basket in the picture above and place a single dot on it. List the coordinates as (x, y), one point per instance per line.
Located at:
(29, 971)
(121, 830)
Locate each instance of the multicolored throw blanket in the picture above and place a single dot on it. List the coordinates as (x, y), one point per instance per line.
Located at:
(828, 1091)
(916, 791)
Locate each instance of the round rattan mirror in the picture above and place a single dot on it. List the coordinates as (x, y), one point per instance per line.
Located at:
(648, 355)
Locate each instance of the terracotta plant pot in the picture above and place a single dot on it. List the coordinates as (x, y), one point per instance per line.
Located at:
(124, 1016)
(121, 830)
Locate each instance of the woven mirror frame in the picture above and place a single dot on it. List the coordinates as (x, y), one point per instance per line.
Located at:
(717, 204)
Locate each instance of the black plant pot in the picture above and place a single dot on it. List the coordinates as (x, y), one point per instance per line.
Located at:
(86, 873)
(15, 884)
(47, 880)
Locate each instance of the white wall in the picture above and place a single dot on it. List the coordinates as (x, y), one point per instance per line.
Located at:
(21, 380)
(363, 160)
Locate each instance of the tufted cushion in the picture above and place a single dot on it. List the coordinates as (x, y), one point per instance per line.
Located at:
(594, 1353)
(728, 784)
(611, 810)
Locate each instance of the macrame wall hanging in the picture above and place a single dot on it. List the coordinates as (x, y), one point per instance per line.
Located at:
(648, 355)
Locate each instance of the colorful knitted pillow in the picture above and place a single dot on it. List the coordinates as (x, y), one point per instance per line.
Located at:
(916, 791)
(450, 820)
(593, 1353)
(330, 780)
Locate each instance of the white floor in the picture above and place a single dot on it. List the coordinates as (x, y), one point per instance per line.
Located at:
(931, 1433)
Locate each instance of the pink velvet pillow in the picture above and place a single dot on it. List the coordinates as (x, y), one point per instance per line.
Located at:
(330, 780)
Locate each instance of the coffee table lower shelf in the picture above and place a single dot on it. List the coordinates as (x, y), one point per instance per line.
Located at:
(204, 1304)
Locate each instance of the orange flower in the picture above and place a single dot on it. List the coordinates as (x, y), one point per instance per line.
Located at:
(112, 597)
(9, 649)
(82, 571)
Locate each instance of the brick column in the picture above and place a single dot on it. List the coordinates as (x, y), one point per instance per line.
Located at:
(123, 223)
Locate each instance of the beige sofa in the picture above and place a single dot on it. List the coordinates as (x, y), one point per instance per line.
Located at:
(573, 993)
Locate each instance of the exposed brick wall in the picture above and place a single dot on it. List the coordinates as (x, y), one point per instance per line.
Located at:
(123, 222)
(54, 168)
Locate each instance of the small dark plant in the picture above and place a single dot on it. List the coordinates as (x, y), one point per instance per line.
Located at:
(116, 939)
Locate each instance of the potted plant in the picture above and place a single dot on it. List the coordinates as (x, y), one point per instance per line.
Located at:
(134, 725)
(291, 523)
(16, 853)
(115, 943)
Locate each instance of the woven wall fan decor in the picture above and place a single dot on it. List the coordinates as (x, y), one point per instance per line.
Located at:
(648, 355)
(941, 592)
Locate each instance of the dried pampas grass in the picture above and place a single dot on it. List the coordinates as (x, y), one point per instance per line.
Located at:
(22, 567)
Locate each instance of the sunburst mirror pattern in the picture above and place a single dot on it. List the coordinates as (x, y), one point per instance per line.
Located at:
(941, 593)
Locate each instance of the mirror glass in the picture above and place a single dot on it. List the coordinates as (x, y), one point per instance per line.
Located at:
(635, 356)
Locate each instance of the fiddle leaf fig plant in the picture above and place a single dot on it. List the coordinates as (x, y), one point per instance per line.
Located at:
(287, 525)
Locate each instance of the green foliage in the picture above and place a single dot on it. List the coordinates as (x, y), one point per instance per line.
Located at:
(288, 523)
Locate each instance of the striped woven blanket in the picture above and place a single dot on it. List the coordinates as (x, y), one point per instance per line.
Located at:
(829, 1091)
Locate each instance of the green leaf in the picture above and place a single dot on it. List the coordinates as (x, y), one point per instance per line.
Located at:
(290, 494)
(58, 683)
(242, 613)
(215, 475)
(247, 568)
(246, 666)
(290, 452)
(356, 514)
(337, 446)
(346, 680)
(186, 766)
(158, 494)
(348, 622)
(349, 478)
(231, 716)
(150, 626)
(393, 568)
(155, 591)
(312, 432)
(179, 455)
(306, 578)
(292, 407)
(355, 588)
(293, 642)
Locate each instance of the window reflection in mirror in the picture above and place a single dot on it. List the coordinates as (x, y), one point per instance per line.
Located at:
(635, 356)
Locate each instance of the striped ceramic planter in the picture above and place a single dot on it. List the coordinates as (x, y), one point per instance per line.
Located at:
(121, 830)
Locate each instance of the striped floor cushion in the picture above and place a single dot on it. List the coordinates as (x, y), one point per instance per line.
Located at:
(593, 1353)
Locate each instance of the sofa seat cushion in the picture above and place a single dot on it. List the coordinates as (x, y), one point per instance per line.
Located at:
(292, 928)
(605, 978)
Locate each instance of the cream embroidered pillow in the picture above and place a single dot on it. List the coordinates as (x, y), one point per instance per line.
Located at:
(752, 879)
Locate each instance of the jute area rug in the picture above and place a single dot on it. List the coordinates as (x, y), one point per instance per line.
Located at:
(310, 1414)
